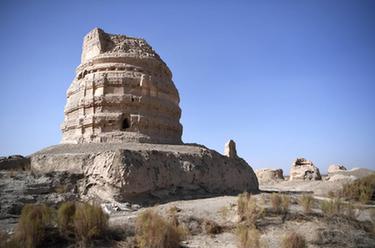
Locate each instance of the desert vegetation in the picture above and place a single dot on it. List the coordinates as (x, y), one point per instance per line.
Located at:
(248, 210)
(280, 203)
(362, 190)
(248, 237)
(152, 231)
(249, 223)
(307, 202)
(334, 206)
(32, 226)
(89, 222)
(76, 222)
(293, 240)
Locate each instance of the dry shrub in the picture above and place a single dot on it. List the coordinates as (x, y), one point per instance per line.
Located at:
(224, 212)
(89, 222)
(248, 210)
(352, 211)
(276, 202)
(280, 204)
(306, 201)
(211, 227)
(331, 194)
(174, 210)
(248, 237)
(360, 190)
(285, 203)
(332, 207)
(31, 228)
(152, 231)
(293, 240)
(65, 219)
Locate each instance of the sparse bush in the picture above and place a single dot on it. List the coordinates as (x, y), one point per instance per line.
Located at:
(280, 204)
(211, 227)
(331, 194)
(248, 210)
(331, 207)
(360, 190)
(306, 201)
(174, 210)
(276, 202)
(351, 211)
(31, 229)
(242, 202)
(89, 222)
(293, 240)
(224, 212)
(248, 237)
(152, 231)
(65, 219)
(285, 203)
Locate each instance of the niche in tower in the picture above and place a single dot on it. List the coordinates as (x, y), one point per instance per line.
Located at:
(125, 124)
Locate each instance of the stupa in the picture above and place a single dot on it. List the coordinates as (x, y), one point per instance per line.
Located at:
(122, 131)
(122, 92)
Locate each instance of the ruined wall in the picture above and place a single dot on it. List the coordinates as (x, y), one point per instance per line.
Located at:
(122, 92)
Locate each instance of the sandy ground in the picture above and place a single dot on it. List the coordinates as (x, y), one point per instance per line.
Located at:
(315, 228)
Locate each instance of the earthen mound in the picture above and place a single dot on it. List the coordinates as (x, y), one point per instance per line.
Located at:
(303, 169)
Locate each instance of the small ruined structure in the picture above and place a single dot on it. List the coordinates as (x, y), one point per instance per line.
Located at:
(267, 175)
(303, 169)
(122, 91)
(122, 132)
(333, 168)
(230, 149)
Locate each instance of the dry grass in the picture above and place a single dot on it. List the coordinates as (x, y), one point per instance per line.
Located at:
(360, 190)
(173, 210)
(248, 237)
(280, 204)
(332, 207)
(307, 202)
(89, 222)
(293, 240)
(65, 219)
(211, 227)
(31, 229)
(276, 202)
(248, 210)
(285, 203)
(352, 211)
(224, 212)
(152, 231)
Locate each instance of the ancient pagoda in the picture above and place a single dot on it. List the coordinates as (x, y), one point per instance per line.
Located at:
(122, 92)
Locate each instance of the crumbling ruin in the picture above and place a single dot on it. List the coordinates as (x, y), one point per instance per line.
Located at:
(122, 133)
(122, 92)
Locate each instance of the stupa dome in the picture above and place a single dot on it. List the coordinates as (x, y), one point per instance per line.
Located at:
(122, 92)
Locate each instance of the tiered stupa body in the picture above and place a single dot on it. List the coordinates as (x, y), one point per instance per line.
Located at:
(122, 92)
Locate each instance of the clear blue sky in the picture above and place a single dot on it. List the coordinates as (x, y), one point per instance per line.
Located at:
(284, 79)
